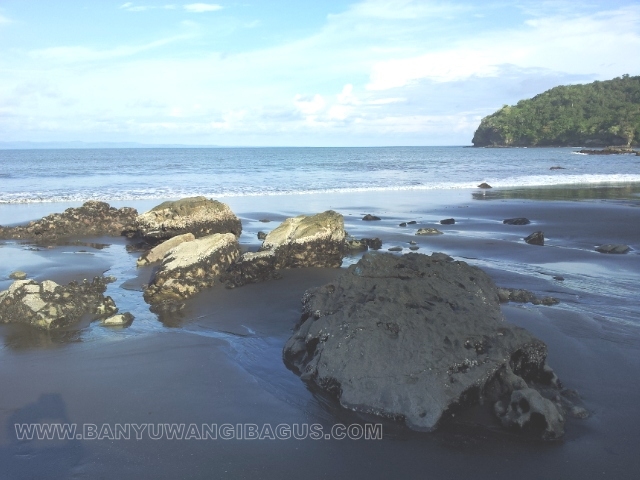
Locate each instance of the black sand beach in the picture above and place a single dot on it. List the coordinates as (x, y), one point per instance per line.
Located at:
(221, 362)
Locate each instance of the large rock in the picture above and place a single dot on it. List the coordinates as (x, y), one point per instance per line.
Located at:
(49, 305)
(611, 248)
(191, 267)
(158, 252)
(536, 238)
(303, 241)
(197, 215)
(412, 337)
(91, 219)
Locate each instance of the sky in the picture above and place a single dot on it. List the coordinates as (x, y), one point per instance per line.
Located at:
(294, 73)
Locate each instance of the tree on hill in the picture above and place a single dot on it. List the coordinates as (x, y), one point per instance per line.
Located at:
(596, 114)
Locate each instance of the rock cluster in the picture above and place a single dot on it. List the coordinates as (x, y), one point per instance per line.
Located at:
(49, 305)
(91, 219)
(428, 231)
(197, 215)
(524, 296)
(417, 337)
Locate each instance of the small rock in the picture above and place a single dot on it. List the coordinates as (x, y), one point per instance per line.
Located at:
(395, 249)
(413, 242)
(403, 224)
(557, 168)
(262, 235)
(373, 243)
(610, 248)
(18, 275)
(368, 217)
(412, 222)
(559, 278)
(120, 320)
(517, 221)
(536, 238)
(428, 231)
(414, 247)
(447, 221)
(264, 220)
(484, 185)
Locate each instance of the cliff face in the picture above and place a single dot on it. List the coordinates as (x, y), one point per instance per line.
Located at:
(596, 114)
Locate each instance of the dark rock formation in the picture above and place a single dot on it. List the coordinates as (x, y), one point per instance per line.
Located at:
(373, 243)
(414, 248)
(517, 221)
(524, 296)
(536, 238)
(49, 305)
(189, 268)
(262, 235)
(414, 337)
(447, 221)
(197, 215)
(403, 224)
(530, 412)
(303, 241)
(610, 248)
(395, 249)
(557, 168)
(368, 217)
(610, 151)
(484, 185)
(91, 219)
(428, 231)
(412, 222)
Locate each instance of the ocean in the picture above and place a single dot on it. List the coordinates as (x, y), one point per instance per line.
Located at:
(78, 175)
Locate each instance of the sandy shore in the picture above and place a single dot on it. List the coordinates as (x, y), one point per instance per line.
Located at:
(221, 363)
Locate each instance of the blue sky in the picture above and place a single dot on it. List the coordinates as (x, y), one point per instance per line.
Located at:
(331, 73)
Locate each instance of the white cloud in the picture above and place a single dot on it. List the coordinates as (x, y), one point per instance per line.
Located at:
(4, 19)
(202, 7)
(309, 105)
(130, 7)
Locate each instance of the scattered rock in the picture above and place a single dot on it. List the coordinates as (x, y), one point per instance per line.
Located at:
(189, 268)
(120, 320)
(447, 221)
(49, 305)
(403, 224)
(484, 185)
(524, 296)
(91, 219)
(412, 222)
(413, 337)
(368, 217)
(158, 252)
(536, 238)
(428, 231)
(517, 221)
(303, 241)
(197, 215)
(18, 275)
(414, 247)
(610, 248)
(395, 249)
(262, 235)
(557, 168)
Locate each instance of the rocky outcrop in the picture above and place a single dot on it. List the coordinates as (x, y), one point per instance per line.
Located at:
(368, 217)
(484, 185)
(447, 221)
(517, 221)
(610, 151)
(197, 215)
(303, 241)
(191, 267)
(536, 238)
(530, 412)
(158, 252)
(91, 219)
(524, 296)
(610, 248)
(414, 337)
(362, 244)
(49, 305)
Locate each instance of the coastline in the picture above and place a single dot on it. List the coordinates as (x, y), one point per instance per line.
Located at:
(222, 363)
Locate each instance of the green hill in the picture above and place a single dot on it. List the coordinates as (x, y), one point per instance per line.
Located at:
(596, 114)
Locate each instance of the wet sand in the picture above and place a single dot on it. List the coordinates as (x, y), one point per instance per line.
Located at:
(221, 362)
